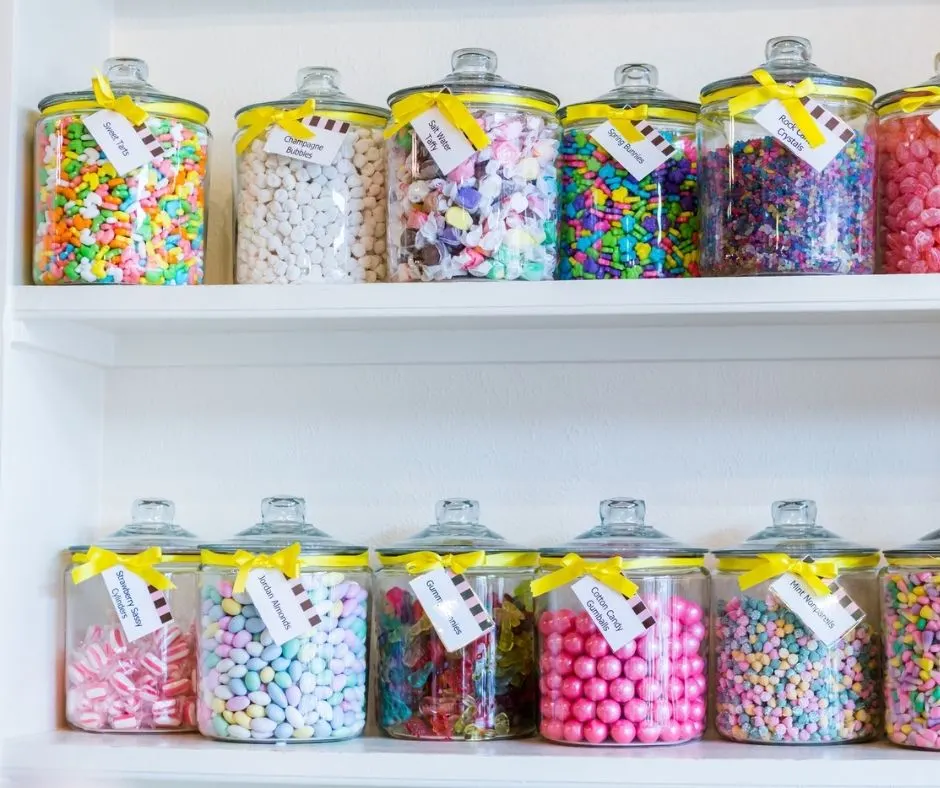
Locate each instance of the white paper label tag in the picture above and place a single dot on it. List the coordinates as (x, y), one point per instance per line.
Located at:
(445, 142)
(121, 142)
(829, 617)
(934, 119)
(328, 138)
(141, 608)
(637, 158)
(618, 619)
(453, 608)
(836, 132)
(283, 605)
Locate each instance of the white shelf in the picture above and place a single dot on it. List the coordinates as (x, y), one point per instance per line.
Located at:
(385, 762)
(788, 317)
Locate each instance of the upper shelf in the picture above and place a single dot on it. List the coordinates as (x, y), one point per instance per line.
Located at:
(784, 317)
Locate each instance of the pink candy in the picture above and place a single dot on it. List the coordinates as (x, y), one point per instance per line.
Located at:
(120, 686)
(651, 691)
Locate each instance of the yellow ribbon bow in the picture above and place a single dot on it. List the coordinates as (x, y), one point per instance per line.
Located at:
(770, 565)
(620, 119)
(425, 560)
(573, 566)
(97, 560)
(286, 561)
(257, 121)
(123, 106)
(914, 103)
(451, 107)
(787, 95)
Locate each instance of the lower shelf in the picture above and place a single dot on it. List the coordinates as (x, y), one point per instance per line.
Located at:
(71, 758)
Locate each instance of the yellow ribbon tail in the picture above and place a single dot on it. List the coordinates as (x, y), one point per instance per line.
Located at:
(286, 561)
(804, 122)
(776, 564)
(450, 106)
(124, 105)
(572, 567)
(256, 122)
(789, 96)
(98, 560)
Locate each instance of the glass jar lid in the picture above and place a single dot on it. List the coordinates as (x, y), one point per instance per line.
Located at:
(283, 523)
(928, 546)
(458, 530)
(929, 89)
(128, 77)
(322, 84)
(789, 61)
(637, 84)
(623, 531)
(795, 533)
(151, 525)
(474, 78)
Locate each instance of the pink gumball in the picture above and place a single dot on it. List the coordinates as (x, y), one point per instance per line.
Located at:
(547, 708)
(653, 605)
(660, 710)
(696, 630)
(584, 624)
(674, 648)
(585, 667)
(698, 665)
(574, 643)
(663, 628)
(688, 731)
(553, 681)
(571, 687)
(552, 729)
(675, 688)
(594, 689)
(692, 689)
(678, 607)
(545, 662)
(627, 651)
(573, 731)
(693, 614)
(635, 710)
(595, 646)
(563, 664)
(582, 709)
(561, 709)
(690, 644)
(634, 668)
(609, 667)
(681, 709)
(671, 732)
(595, 731)
(649, 647)
(682, 668)
(547, 622)
(697, 711)
(648, 732)
(554, 643)
(649, 689)
(607, 711)
(621, 690)
(623, 731)
(564, 621)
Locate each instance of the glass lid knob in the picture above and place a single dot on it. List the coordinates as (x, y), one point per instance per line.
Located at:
(318, 79)
(796, 513)
(788, 50)
(457, 510)
(473, 60)
(125, 70)
(636, 75)
(623, 510)
(153, 510)
(283, 509)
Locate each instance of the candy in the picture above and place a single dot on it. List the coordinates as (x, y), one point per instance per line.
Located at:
(615, 227)
(611, 708)
(911, 611)
(909, 151)
(115, 685)
(299, 222)
(285, 691)
(766, 211)
(778, 683)
(493, 217)
(484, 691)
(93, 226)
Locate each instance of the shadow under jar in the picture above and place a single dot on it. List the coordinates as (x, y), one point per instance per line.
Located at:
(597, 686)
(130, 651)
(254, 685)
(764, 209)
(95, 225)
(484, 690)
(910, 608)
(777, 682)
(494, 216)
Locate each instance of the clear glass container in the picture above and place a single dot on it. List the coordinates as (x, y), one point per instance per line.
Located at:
(909, 162)
(910, 609)
(653, 690)
(776, 683)
(312, 688)
(614, 226)
(486, 690)
(764, 209)
(145, 228)
(146, 685)
(300, 222)
(495, 215)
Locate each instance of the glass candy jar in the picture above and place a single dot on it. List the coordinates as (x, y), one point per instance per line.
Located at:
(95, 225)
(615, 225)
(910, 609)
(485, 690)
(130, 651)
(303, 216)
(597, 685)
(764, 209)
(494, 215)
(909, 161)
(254, 685)
(777, 680)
